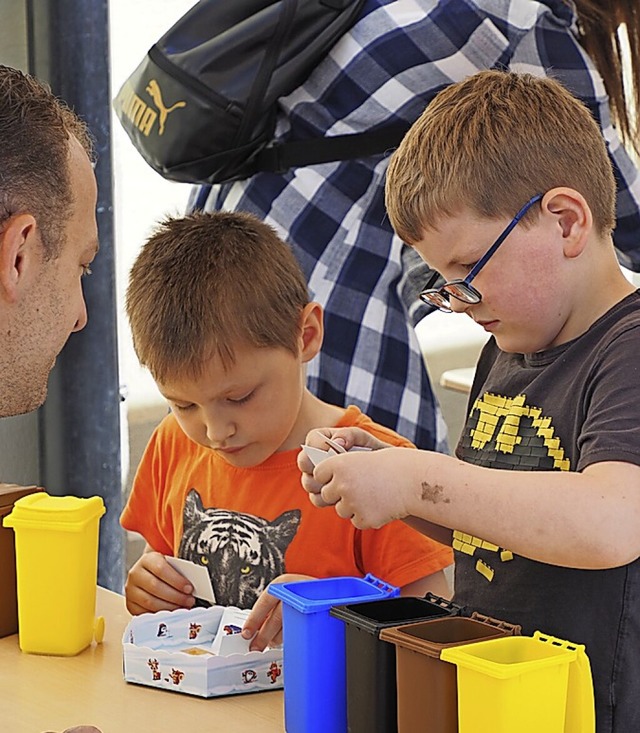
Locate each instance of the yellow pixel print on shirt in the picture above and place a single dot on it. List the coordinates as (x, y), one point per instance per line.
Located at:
(500, 419)
(505, 432)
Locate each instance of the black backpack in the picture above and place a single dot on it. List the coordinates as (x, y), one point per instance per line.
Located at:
(201, 106)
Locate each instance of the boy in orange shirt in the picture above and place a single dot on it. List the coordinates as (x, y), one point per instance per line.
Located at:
(220, 315)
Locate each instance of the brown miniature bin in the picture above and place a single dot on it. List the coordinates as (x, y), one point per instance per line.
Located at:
(427, 690)
(9, 494)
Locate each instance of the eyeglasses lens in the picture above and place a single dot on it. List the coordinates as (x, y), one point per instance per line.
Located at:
(437, 298)
(462, 292)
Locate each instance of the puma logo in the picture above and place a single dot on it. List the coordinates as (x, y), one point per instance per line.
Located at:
(153, 88)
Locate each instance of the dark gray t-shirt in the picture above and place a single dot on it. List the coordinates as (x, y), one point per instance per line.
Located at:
(562, 409)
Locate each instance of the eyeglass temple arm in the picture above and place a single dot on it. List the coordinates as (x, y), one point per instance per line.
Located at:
(482, 261)
(431, 282)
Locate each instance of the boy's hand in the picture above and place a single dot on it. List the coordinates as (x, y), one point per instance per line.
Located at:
(369, 488)
(264, 623)
(347, 437)
(153, 585)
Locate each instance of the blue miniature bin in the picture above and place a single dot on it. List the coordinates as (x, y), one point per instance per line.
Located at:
(315, 696)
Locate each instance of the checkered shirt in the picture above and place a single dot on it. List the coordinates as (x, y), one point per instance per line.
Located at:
(386, 69)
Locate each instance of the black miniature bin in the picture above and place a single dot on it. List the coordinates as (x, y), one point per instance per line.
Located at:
(371, 662)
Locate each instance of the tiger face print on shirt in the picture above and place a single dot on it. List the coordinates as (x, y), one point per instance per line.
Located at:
(242, 552)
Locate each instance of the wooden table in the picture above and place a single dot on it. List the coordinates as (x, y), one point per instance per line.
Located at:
(39, 693)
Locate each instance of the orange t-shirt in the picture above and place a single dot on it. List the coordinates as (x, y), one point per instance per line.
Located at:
(249, 525)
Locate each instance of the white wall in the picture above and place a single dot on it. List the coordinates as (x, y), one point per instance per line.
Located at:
(141, 196)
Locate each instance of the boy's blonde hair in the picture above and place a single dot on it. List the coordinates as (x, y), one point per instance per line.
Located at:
(491, 142)
(206, 283)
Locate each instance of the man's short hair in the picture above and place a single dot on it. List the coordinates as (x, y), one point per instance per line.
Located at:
(491, 142)
(205, 284)
(35, 131)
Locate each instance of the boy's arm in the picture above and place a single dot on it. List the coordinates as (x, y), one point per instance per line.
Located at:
(264, 624)
(437, 583)
(585, 520)
(153, 585)
(440, 534)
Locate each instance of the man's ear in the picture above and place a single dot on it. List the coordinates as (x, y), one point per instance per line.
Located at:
(18, 237)
(311, 331)
(572, 217)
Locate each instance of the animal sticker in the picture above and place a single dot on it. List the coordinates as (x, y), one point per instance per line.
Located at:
(154, 666)
(274, 671)
(248, 676)
(176, 676)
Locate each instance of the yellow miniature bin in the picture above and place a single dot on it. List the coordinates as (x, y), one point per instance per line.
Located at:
(536, 684)
(56, 569)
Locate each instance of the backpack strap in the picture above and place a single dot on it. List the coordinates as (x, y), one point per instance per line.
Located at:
(280, 157)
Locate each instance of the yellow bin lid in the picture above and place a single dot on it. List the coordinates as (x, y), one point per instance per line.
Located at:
(42, 511)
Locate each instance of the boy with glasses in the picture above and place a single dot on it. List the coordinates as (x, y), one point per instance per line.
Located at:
(555, 389)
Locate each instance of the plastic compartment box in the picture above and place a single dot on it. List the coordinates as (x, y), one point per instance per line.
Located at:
(172, 650)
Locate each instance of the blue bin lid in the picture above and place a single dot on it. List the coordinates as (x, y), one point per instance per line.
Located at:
(320, 594)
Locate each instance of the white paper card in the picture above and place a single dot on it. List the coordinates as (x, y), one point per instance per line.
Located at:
(316, 455)
(228, 639)
(197, 575)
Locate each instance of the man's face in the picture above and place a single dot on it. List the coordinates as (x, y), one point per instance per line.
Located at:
(51, 304)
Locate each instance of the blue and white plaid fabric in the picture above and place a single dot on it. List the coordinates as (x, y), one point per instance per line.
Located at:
(386, 69)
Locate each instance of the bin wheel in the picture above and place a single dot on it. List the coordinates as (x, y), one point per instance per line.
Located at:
(98, 629)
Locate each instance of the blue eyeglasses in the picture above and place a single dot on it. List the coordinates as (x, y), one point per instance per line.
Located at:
(462, 289)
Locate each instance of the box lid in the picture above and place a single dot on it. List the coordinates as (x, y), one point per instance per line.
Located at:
(10, 493)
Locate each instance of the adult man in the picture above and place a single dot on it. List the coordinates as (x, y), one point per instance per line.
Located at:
(48, 238)
(48, 235)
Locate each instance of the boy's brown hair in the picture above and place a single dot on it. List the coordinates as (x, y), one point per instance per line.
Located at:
(491, 142)
(35, 129)
(205, 283)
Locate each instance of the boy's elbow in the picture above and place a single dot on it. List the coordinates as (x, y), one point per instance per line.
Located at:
(622, 550)
(625, 555)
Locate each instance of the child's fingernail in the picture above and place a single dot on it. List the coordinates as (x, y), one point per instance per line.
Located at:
(246, 633)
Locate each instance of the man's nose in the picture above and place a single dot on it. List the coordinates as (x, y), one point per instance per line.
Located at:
(82, 319)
